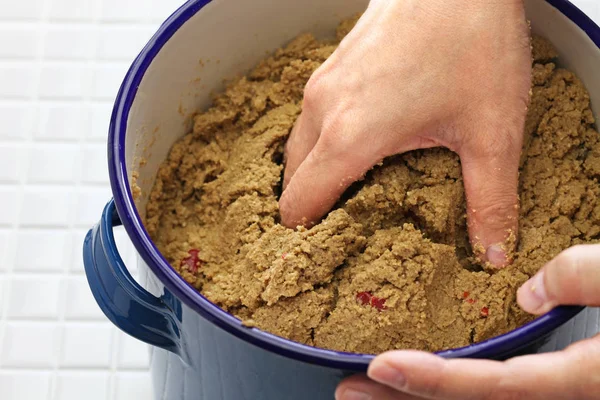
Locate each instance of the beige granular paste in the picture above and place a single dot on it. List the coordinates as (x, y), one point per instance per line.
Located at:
(399, 235)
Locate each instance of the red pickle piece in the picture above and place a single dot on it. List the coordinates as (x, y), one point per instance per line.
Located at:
(192, 262)
(364, 298)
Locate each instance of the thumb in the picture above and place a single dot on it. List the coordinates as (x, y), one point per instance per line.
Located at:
(491, 189)
(572, 278)
(320, 180)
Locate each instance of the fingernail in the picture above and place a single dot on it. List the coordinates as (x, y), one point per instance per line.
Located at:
(351, 394)
(532, 295)
(496, 255)
(388, 375)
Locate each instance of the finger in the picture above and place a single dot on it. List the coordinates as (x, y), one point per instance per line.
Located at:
(431, 377)
(300, 143)
(325, 174)
(572, 373)
(572, 278)
(361, 388)
(491, 185)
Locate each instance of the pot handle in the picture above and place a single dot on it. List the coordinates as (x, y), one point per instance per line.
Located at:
(126, 304)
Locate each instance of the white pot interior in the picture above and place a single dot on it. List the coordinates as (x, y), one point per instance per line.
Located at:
(228, 37)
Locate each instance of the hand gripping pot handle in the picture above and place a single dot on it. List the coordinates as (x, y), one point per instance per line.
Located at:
(129, 306)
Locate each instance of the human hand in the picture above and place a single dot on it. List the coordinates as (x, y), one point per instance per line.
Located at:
(417, 74)
(572, 278)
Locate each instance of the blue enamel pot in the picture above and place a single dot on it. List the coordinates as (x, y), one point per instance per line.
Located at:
(198, 350)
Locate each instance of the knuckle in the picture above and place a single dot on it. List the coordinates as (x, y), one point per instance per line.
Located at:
(314, 89)
(499, 144)
(336, 135)
(503, 204)
(500, 214)
(435, 385)
(508, 389)
(499, 140)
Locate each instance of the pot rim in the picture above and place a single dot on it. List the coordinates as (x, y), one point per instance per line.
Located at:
(493, 348)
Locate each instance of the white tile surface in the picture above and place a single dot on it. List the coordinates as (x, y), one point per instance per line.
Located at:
(87, 345)
(18, 385)
(130, 11)
(17, 81)
(69, 42)
(80, 303)
(132, 354)
(7, 246)
(34, 297)
(72, 10)
(17, 121)
(90, 203)
(76, 261)
(64, 81)
(107, 80)
(42, 250)
(37, 201)
(18, 42)
(54, 163)
(12, 165)
(3, 290)
(61, 63)
(8, 205)
(62, 122)
(93, 164)
(91, 385)
(118, 42)
(132, 385)
(30, 344)
(127, 252)
(99, 121)
(590, 7)
(22, 10)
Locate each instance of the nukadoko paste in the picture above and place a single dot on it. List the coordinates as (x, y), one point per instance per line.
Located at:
(390, 267)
